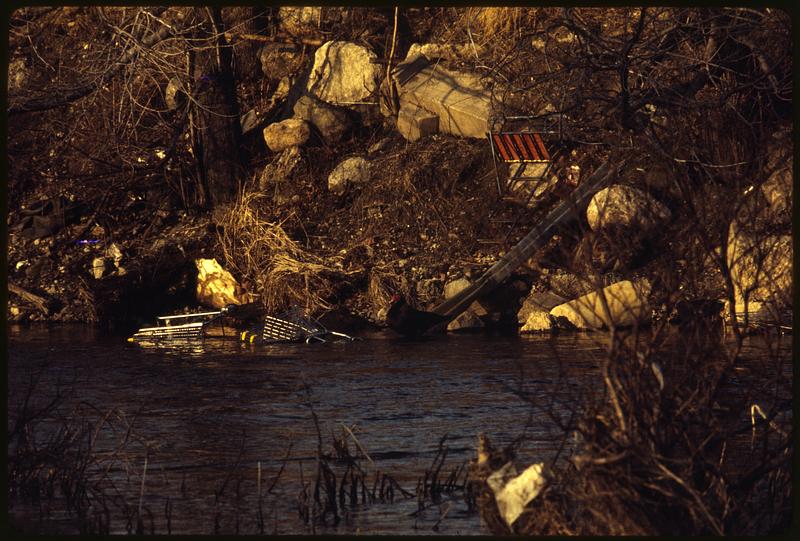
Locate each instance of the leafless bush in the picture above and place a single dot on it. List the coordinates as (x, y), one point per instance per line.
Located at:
(282, 271)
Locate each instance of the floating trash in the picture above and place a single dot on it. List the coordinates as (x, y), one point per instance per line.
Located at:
(291, 326)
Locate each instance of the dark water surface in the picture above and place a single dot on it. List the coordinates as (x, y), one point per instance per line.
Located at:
(205, 414)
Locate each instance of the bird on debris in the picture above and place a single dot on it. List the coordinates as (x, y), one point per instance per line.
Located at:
(408, 321)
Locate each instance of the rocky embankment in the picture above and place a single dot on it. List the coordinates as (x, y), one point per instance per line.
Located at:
(357, 198)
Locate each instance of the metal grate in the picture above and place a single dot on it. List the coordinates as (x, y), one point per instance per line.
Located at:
(516, 147)
(291, 326)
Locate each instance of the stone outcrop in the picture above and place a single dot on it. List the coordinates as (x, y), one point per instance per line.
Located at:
(414, 122)
(538, 322)
(761, 270)
(459, 100)
(216, 287)
(355, 170)
(343, 73)
(287, 133)
(627, 207)
(534, 315)
(627, 305)
(331, 122)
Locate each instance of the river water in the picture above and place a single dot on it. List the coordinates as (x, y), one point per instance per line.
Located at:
(204, 418)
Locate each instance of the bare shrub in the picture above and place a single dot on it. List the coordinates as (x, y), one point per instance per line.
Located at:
(282, 271)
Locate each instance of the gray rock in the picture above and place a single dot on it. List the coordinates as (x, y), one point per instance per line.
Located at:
(626, 301)
(332, 122)
(414, 122)
(113, 253)
(467, 321)
(287, 133)
(343, 73)
(429, 289)
(625, 206)
(454, 287)
(463, 105)
(538, 322)
(355, 170)
(538, 302)
(443, 50)
(17, 74)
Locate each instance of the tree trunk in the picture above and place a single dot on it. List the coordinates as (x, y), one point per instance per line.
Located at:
(216, 113)
(245, 21)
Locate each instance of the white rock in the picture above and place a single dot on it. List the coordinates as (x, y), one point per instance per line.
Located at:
(538, 322)
(761, 266)
(287, 133)
(216, 287)
(625, 206)
(355, 170)
(114, 253)
(343, 73)
(627, 305)
(454, 287)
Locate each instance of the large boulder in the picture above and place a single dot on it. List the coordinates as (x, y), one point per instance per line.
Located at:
(355, 170)
(627, 207)
(343, 73)
(627, 305)
(216, 287)
(287, 133)
(331, 122)
(458, 99)
(538, 302)
(467, 321)
(761, 268)
(414, 122)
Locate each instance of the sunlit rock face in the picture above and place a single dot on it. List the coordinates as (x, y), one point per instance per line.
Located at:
(287, 133)
(355, 170)
(625, 206)
(343, 73)
(626, 304)
(761, 269)
(331, 122)
(216, 287)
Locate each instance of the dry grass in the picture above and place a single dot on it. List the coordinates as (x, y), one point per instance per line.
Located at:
(280, 270)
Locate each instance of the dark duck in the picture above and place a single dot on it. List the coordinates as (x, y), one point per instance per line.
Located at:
(408, 321)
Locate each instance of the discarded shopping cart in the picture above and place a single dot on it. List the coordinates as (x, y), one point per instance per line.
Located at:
(291, 326)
